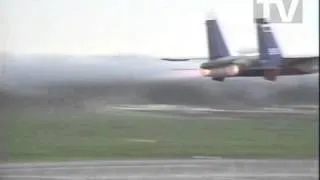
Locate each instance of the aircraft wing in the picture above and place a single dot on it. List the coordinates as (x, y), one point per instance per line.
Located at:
(184, 59)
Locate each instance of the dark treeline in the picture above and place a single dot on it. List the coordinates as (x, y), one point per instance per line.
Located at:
(184, 92)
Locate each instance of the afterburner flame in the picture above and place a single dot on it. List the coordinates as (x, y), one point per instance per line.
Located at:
(232, 70)
(205, 72)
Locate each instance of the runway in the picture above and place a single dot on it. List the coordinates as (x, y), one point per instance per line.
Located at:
(221, 169)
(223, 113)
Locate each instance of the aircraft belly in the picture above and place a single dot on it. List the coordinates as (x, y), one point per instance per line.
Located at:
(251, 73)
(307, 67)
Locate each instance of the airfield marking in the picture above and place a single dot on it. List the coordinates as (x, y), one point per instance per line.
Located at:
(142, 140)
(171, 176)
(111, 167)
(276, 110)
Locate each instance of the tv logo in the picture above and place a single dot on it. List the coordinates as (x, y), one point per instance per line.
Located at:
(279, 11)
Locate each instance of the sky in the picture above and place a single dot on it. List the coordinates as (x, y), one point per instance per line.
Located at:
(165, 28)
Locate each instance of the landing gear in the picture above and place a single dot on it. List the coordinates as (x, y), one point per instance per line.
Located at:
(218, 79)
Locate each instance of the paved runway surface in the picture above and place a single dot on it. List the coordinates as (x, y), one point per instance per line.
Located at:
(292, 112)
(218, 169)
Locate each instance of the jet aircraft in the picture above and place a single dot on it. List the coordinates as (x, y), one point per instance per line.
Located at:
(268, 63)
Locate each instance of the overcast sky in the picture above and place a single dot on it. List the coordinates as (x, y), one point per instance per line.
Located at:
(153, 27)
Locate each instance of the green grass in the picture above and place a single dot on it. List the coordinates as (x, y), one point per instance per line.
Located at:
(92, 136)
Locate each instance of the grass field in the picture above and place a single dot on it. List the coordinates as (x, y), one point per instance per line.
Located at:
(92, 136)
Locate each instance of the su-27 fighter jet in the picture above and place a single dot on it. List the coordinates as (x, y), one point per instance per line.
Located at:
(268, 63)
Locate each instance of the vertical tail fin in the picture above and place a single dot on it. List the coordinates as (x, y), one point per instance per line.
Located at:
(270, 55)
(217, 47)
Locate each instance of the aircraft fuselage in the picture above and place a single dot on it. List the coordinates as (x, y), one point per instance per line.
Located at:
(251, 67)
